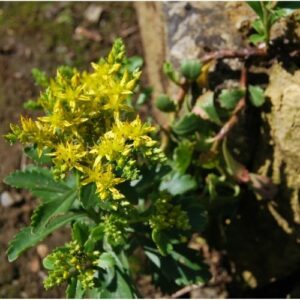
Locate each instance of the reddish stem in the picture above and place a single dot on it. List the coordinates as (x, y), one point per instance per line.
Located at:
(229, 53)
(234, 118)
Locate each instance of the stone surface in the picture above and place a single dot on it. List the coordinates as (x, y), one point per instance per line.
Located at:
(6, 199)
(262, 242)
(93, 13)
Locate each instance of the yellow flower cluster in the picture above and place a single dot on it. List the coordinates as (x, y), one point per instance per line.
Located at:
(71, 261)
(87, 125)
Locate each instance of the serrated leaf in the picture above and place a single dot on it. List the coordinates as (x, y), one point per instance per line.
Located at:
(257, 97)
(32, 153)
(50, 209)
(183, 156)
(26, 238)
(189, 124)
(39, 181)
(177, 184)
(229, 98)
(207, 104)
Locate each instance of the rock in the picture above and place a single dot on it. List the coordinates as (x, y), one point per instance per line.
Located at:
(81, 33)
(42, 250)
(34, 265)
(6, 199)
(93, 13)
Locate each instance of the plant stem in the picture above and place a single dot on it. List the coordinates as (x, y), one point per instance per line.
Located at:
(234, 117)
(266, 22)
(231, 53)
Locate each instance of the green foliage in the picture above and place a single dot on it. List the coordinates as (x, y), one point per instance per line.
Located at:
(100, 169)
(268, 12)
(257, 97)
(40, 78)
(171, 73)
(229, 98)
(28, 238)
(191, 69)
(165, 104)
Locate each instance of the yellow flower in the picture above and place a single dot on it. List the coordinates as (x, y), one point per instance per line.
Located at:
(85, 127)
(105, 181)
(68, 156)
(111, 147)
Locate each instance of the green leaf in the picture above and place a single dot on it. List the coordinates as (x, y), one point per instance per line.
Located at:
(191, 68)
(183, 266)
(49, 262)
(257, 97)
(32, 105)
(153, 256)
(259, 27)
(168, 69)
(144, 96)
(162, 241)
(207, 104)
(96, 235)
(80, 232)
(45, 211)
(229, 98)
(120, 288)
(40, 77)
(183, 156)
(134, 62)
(106, 261)
(177, 184)
(257, 38)
(189, 124)
(26, 238)
(75, 289)
(88, 196)
(39, 181)
(165, 104)
(234, 168)
(257, 7)
(32, 153)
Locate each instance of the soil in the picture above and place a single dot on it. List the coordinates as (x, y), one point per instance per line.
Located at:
(45, 36)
